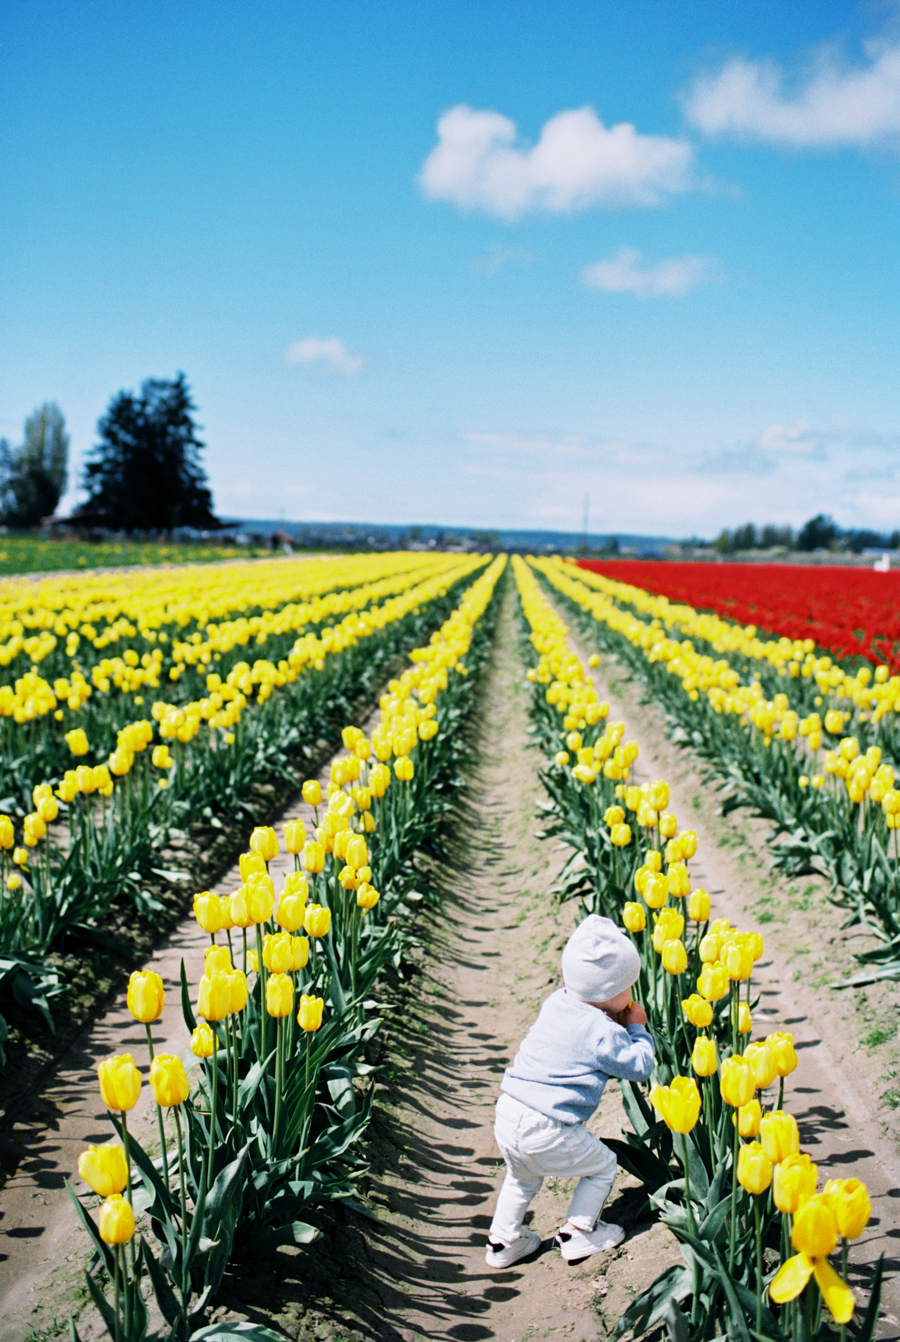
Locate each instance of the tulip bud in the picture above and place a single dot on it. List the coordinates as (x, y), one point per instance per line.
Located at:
(208, 912)
(312, 792)
(712, 982)
(404, 769)
(120, 1082)
(698, 906)
(103, 1168)
(317, 920)
(309, 1017)
(634, 918)
(754, 1169)
(795, 1182)
(367, 896)
(656, 892)
(77, 741)
(668, 825)
(7, 833)
(849, 1200)
(678, 1104)
(277, 952)
(169, 1080)
(294, 835)
(251, 864)
(264, 842)
(620, 836)
(237, 908)
(116, 1222)
(237, 991)
(299, 953)
(357, 852)
(779, 1135)
(698, 1011)
(748, 1119)
(313, 856)
(814, 1231)
(290, 912)
(782, 1045)
(217, 960)
(202, 1041)
(744, 1018)
(280, 992)
(704, 1058)
(674, 957)
(146, 996)
(688, 843)
(212, 997)
(762, 1060)
(260, 897)
(736, 1081)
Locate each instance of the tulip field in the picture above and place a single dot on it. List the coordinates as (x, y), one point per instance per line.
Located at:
(134, 702)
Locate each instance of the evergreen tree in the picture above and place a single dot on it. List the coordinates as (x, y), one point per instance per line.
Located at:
(33, 476)
(145, 473)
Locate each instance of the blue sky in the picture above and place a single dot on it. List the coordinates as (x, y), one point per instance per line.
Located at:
(463, 263)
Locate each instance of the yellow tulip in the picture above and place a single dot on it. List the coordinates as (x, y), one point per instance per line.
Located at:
(299, 953)
(217, 960)
(103, 1168)
(317, 921)
(212, 997)
(260, 897)
(264, 842)
(120, 1082)
(712, 982)
(237, 991)
(146, 996)
(795, 1182)
(312, 792)
(294, 835)
(678, 1104)
(290, 911)
(656, 892)
(202, 1041)
(849, 1201)
(614, 815)
(748, 1118)
(620, 836)
(309, 1017)
(762, 1060)
(634, 918)
(754, 1169)
(367, 896)
(698, 906)
(782, 1045)
(277, 954)
(208, 912)
(7, 833)
(77, 741)
(704, 1058)
(698, 1011)
(779, 1135)
(403, 768)
(357, 853)
(34, 829)
(279, 994)
(668, 825)
(169, 1080)
(313, 856)
(251, 863)
(736, 1081)
(116, 1221)
(674, 956)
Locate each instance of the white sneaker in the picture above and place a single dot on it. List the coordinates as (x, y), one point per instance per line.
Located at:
(575, 1244)
(507, 1254)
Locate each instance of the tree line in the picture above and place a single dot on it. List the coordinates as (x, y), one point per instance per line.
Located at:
(144, 474)
(819, 533)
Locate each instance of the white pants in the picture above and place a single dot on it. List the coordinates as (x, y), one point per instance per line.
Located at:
(536, 1147)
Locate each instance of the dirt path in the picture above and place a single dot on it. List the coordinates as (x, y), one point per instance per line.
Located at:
(836, 1092)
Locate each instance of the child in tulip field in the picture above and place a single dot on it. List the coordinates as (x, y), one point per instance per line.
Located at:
(585, 1033)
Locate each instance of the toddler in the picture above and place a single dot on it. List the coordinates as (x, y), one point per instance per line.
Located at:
(585, 1033)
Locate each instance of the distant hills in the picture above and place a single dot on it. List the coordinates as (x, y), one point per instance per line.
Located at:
(384, 537)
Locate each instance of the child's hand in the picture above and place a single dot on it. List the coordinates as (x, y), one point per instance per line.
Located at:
(634, 1014)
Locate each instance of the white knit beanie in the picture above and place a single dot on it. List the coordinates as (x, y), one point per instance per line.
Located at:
(599, 961)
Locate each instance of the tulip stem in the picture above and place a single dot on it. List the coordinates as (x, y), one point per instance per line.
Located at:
(159, 1118)
(183, 1193)
(279, 1082)
(261, 976)
(117, 1292)
(734, 1185)
(757, 1217)
(214, 1086)
(845, 1245)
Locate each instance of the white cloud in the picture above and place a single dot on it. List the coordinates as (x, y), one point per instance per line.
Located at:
(832, 105)
(671, 277)
(577, 163)
(796, 440)
(328, 356)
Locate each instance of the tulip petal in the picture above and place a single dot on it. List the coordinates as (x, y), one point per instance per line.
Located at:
(838, 1296)
(791, 1278)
